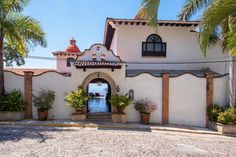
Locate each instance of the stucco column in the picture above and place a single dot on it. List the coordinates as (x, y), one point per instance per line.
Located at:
(165, 98)
(28, 93)
(209, 93)
(232, 81)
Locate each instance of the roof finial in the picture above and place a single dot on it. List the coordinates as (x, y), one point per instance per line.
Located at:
(72, 47)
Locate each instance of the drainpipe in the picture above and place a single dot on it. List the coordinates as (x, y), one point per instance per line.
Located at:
(232, 81)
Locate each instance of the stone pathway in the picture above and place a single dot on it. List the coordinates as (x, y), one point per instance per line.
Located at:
(39, 141)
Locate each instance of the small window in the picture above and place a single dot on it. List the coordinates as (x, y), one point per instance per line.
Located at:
(94, 57)
(103, 57)
(98, 49)
(153, 46)
(69, 61)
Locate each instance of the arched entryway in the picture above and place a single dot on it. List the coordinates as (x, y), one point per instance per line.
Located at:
(100, 93)
(96, 79)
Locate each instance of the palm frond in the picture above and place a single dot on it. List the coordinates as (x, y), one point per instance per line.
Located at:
(213, 17)
(149, 11)
(10, 6)
(191, 7)
(22, 32)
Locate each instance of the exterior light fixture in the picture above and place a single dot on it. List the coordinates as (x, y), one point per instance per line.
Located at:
(117, 88)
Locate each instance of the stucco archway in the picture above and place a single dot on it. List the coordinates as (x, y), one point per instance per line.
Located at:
(104, 76)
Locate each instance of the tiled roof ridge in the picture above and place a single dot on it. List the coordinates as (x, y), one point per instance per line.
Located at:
(140, 20)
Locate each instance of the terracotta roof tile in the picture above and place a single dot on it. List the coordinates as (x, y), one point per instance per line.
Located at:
(20, 71)
(98, 64)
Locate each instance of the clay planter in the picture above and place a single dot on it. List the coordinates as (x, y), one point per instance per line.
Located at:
(78, 117)
(120, 109)
(79, 110)
(118, 117)
(145, 117)
(12, 116)
(43, 114)
(222, 128)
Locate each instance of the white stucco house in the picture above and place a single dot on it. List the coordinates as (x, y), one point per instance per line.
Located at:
(165, 66)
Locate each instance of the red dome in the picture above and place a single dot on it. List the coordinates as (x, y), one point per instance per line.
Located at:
(72, 47)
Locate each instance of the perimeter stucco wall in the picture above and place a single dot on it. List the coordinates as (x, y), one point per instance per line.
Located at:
(187, 93)
(221, 90)
(187, 100)
(13, 81)
(61, 85)
(182, 45)
(148, 87)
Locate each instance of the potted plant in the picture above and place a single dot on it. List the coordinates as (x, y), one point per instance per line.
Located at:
(145, 107)
(78, 100)
(120, 102)
(12, 106)
(222, 119)
(43, 102)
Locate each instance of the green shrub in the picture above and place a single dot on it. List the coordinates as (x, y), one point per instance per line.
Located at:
(121, 101)
(12, 101)
(44, 99)
(77, 99)
(228, 116)
(213, 112)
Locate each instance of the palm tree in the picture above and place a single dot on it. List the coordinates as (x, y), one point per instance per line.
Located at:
(17, 32)
(149, 12)
(218, 20)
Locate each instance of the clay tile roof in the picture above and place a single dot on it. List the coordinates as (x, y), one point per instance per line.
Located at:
(159, 21)
(98, 64)
(20, 71)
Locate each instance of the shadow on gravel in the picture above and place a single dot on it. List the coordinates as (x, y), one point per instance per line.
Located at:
(16, 133)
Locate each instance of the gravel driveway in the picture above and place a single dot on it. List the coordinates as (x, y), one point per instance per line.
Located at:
(56, 141)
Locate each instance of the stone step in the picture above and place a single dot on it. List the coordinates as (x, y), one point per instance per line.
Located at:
(99, 116)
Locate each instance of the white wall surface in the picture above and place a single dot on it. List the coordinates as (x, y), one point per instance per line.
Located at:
(221, 90)
(114, 43)
(61, 85)
(13, 81)
(62, 63)
(148, 87)
(99, 50)
(187, 97)
(187, 104)
(182, 45)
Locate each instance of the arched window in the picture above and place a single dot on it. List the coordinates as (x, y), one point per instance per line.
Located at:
(69, 61)
(103, 57)
(94, 57)
(153, 46)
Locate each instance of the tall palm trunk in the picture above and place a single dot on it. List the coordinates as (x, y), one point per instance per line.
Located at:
(232, 81)
(1, 65)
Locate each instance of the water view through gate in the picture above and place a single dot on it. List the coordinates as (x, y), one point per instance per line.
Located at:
(100, 92)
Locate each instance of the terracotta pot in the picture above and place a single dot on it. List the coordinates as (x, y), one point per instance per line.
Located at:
(145, 117)
(79, 110)
(42, 114)
(120, 109)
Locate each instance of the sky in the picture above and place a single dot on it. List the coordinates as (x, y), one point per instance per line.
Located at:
(84, 20)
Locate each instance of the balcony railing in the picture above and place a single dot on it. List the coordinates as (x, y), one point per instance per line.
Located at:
(153, 49)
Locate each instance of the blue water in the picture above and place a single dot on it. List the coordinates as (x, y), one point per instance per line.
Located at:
(98, 105)
(95, 88)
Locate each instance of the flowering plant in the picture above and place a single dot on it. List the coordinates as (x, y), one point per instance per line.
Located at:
(145, 106)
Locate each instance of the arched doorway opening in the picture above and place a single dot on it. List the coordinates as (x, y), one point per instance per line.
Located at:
(100, 91)
(101, 76)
